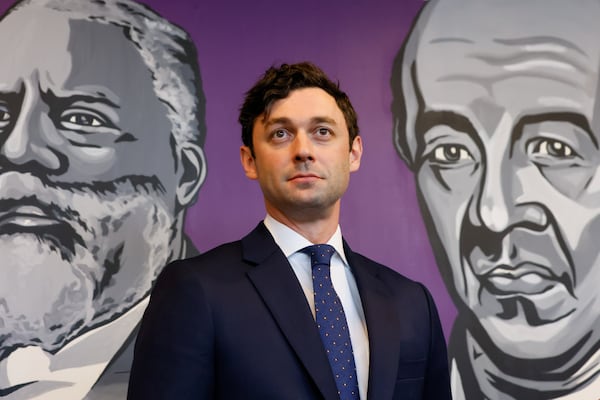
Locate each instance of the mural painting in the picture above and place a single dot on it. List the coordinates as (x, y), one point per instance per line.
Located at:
(496, 113)
(102, 126)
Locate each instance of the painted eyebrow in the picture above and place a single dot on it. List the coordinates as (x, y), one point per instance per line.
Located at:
(430, 119)
(70, 99)
(570, 117)
(10, 98)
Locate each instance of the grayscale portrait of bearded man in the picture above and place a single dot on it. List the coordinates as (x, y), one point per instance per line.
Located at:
(496, 111)
(101, 134)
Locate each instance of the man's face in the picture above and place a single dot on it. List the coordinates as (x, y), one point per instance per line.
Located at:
(86, 178)
(507, 161)
(302, 158)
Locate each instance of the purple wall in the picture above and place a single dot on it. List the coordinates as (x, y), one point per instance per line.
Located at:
(355, 44)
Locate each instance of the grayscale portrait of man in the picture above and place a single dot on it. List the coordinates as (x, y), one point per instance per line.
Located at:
(101, 128)
(496, 112)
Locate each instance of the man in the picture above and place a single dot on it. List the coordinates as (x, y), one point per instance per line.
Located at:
(101, 127)
(496, 113)
(244, 313)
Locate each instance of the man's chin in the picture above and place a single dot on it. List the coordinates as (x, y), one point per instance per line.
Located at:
(60, 300)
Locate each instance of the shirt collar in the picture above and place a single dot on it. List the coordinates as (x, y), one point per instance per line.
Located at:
(291, 241)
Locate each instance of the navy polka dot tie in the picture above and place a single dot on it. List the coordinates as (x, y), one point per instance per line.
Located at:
(332, 324)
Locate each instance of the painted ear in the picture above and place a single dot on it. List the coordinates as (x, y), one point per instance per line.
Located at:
(193, 164)
(248, 162)
(404, 143)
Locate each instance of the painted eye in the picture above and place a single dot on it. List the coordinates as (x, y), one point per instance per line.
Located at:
(4, 116)
(450, 153)
(82, 119)
(554, 148)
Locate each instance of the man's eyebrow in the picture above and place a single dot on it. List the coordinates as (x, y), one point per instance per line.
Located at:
(576, 119)
(287, 121)
(321, 120)
(276, 121)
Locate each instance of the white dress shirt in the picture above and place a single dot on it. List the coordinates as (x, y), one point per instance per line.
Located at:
(343, 281)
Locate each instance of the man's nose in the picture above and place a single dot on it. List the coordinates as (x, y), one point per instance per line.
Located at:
(502, 203)
(32, 143)
(303, 147)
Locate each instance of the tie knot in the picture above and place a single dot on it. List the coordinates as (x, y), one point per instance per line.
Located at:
(320, 254)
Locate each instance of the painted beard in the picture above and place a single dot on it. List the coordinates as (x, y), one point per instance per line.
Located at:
(76, 256)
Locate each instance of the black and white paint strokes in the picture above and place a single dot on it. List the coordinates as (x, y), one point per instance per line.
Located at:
(496, 112)
(101, 134)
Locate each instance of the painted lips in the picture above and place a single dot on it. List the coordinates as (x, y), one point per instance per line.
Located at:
(26, 216)
(526, 278)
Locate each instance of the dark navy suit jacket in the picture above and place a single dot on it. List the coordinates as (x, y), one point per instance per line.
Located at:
(234, 323)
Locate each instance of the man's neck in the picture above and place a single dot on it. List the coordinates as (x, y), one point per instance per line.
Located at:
(316, 226)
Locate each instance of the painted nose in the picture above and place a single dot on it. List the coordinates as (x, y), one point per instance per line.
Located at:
(31, 143)
(502, 203)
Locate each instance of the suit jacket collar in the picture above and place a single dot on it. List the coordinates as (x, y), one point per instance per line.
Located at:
(283, 295)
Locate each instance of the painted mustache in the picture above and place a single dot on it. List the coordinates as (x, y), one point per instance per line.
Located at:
(34, 205)
(47, 221)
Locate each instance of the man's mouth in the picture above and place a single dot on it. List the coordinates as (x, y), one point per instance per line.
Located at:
(304, 178)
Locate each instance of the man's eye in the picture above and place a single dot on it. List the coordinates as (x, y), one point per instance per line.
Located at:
(323, 131)
(554, 148)
(450, 153)
(280, 134)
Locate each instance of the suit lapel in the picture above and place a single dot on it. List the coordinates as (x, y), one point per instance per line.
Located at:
(382, 327)
(279, 288)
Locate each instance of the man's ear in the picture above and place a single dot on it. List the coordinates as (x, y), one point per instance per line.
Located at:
(248, 162)
(193, 163)
(356, 153)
